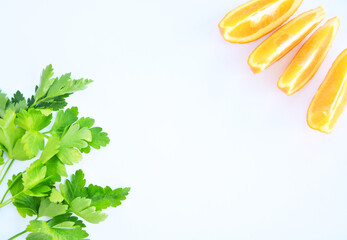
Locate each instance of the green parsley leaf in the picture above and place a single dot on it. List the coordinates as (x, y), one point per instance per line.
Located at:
(81, 207)
(46, 82)
(65, 85)
(7, 130)
(33, 142)
(51, 149)
(54, 104)
(40, 230)
(51, 209)
(40, 190)
(31, 101)
(76, 137)
(34, 180)
(26, 205)
(17, 97)
(99, 138)
(57, 88)
(73, 137)
(35, 174)
(86, 149)
(17, 102)
(56, 196)
(3, 103)
(19, 152)
(55, 170)
(33, 119)
(53, 91)
(69, 156)
(103, 198)
(15, 184)
(72, 189)
(9, 133)
(24, 149)
(66, 219)
(85, 122)
(64, 120)
(18, 106)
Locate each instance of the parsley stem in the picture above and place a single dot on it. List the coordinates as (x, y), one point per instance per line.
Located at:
(44, 135)
(3, 167)
(9, 188)
(8, 168)
(17, 235)
(8, 201)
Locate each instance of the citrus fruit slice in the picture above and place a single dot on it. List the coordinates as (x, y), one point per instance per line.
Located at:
(285, 39)
(256, 18)
(309, 58)
(331, 97)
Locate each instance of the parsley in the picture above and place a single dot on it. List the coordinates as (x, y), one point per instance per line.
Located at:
(31, 131)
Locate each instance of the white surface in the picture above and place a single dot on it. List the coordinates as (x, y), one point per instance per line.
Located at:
(210, 150)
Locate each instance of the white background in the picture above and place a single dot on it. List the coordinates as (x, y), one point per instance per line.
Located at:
(210, 150)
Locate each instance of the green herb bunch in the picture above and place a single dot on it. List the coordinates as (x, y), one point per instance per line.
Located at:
(30, 130)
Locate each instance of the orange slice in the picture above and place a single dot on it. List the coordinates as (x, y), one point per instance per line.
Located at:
(285, 39)
(256, 18)
(331, 97)
(309, 58)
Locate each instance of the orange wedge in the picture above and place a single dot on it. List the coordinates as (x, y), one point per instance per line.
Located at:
(285, 39)
(309, 58)
(331, 97)
(256, 18)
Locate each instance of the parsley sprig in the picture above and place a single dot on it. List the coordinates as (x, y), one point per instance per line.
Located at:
(30, 130)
